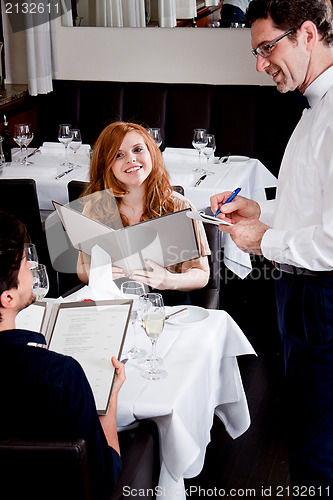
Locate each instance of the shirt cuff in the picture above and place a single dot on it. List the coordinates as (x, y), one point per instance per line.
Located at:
(272, 245)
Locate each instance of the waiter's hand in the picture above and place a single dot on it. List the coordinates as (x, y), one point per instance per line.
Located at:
(238, 209)
(247, 234)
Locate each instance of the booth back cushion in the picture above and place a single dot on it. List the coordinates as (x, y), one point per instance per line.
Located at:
(246, 119)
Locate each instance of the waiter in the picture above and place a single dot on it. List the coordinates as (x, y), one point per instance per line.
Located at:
(293, 42)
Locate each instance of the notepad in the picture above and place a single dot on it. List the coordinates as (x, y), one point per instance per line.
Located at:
(207, 218)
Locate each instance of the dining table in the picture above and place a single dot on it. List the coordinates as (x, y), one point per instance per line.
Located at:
(200, 179)
(199, 351)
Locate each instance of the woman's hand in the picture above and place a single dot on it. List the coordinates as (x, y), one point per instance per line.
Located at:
(158, 277)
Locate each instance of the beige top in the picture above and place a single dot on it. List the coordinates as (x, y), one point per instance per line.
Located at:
(180, 204)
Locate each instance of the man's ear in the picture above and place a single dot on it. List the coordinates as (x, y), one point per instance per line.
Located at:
(7, 299)
(310, 34)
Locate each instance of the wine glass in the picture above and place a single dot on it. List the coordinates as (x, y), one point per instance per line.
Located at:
(133, 290)
(31, 254)
(65, 136)
(40, 281)
(75, 143)
(152, 317)
(157, 135)
(26, 138)
(18, 131)
(209, 149)
(199, 142)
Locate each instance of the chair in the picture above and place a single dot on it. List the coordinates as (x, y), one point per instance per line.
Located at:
(19, 198)
(209, 296)
(40, 470)
(59, 471)
(141, 461)
(75, 189)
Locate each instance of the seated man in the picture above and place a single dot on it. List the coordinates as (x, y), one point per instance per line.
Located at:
(45, 395)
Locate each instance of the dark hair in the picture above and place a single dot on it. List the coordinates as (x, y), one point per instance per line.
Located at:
(13, 235)
(290, 14)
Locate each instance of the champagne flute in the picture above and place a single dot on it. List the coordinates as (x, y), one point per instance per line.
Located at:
(75, 143)
(65, 136)
(26, 138)
(199, 142)
(156, 134)
(31, 254)
(133, 290)
(153, 317)
(40, 282)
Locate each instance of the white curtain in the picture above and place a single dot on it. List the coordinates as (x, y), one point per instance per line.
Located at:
(119, 13)
(167, 13)
(186, 9)
(109, 13)
(42, 66)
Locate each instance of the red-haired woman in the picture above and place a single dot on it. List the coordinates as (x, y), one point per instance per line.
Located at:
(127, 160)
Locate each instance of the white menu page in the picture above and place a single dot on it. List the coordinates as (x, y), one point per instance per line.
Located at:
(93, 332)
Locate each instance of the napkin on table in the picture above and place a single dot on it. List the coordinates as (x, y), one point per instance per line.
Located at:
(101, 285)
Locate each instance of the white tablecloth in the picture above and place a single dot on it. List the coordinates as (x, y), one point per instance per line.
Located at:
(203, 378)
(46, 166)
(250, 175)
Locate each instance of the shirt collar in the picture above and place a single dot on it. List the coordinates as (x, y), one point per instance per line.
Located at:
(318, 88)
(17, 336)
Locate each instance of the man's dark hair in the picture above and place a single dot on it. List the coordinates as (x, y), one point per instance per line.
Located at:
(290, 14)
(13, 235)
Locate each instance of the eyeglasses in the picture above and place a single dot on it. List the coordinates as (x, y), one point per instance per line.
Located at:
(265, 49)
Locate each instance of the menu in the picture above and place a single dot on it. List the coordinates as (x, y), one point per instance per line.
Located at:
(91, 332)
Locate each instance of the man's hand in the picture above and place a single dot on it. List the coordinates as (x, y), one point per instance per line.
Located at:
(238, 209)
(247, 234)
(120, 375)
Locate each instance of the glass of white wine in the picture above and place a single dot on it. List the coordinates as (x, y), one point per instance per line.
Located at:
(40, 281)
(153, 317)
(133, 290)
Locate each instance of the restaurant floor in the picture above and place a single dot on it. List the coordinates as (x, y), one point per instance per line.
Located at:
(255, 465)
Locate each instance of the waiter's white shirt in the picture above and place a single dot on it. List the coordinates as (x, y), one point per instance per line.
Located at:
(301, 216)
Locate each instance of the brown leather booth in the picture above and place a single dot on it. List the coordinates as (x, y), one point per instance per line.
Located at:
(249, 120)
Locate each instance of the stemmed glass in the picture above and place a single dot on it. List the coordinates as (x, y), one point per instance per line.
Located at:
(75, 143)
(18, 131)
(209, 149)
(31, 254)
(65, 136)
(153, 317)
(199, 142)
(157, 135)
(133, 290)
(40, 282)
(26, 138)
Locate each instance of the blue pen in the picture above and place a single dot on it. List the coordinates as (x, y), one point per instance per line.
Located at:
(231, 197)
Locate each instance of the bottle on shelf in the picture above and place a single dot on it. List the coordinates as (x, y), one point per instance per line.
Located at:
(7, 140)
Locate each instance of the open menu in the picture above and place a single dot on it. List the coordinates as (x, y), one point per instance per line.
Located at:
(91, 332)
(166, 240)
